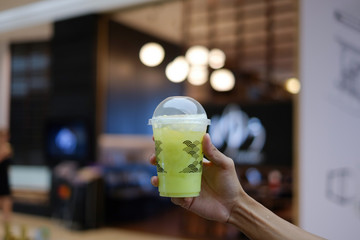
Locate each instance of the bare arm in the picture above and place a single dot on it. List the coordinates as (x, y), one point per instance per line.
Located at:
(258, 222)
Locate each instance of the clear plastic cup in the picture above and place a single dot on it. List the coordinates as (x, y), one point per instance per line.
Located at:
(179, 125)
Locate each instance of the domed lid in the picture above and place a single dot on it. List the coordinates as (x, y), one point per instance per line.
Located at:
(179, 109)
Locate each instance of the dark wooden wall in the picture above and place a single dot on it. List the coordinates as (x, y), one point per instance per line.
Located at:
(133, 89)
(74, 73)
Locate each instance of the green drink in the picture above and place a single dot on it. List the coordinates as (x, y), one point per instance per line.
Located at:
(178, 145)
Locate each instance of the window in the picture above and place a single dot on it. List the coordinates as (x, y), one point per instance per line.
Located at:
(30, 79)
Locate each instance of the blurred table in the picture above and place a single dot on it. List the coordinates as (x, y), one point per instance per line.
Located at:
(59, 232)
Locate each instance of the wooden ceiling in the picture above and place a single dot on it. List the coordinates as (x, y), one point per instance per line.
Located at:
(259, 38)
(256, 35)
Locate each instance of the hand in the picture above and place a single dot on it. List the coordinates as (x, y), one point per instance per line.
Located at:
(220, 186)
(223, 199)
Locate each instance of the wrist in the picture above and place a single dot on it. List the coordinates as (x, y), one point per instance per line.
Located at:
(240, 209)
(244, 215)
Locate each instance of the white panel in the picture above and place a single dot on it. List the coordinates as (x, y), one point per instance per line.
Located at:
(4, 84)
(329, 144)
(30, 177)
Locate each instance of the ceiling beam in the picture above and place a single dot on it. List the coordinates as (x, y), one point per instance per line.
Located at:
(54, 10)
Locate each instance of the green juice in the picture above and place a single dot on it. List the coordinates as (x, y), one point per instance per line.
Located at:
(179, 160)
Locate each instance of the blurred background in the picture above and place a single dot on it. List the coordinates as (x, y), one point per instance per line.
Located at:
(278, 78)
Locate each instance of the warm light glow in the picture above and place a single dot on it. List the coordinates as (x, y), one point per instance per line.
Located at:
(216, 58)
(177, 70)
(152, 54)
(292, 85)
(198, 75)
(222, 80)
(197, 55)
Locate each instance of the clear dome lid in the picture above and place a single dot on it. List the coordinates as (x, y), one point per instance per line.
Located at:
(179, 109)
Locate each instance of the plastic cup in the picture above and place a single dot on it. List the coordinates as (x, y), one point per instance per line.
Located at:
(179, 125)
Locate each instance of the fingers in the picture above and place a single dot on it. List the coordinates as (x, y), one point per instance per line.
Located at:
(153, 159)
(213, 154)
(154, 181)
(183, 202)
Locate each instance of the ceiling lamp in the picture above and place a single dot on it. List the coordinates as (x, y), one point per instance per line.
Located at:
(198, 75)
(197, 55)
(222, 80)
(177, 70)
(216, 58)
(292, 85)
(152, 54)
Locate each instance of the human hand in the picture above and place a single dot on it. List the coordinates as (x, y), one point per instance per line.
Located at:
(220, 186)
(223, 199)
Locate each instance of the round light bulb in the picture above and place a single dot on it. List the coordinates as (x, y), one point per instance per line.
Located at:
(216, 58)
(177, 70)
(198, 75)
(292, 85)
(151, 54)
(197, 55)
(222, 80)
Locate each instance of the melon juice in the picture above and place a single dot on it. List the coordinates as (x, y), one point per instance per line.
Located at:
(179, 160)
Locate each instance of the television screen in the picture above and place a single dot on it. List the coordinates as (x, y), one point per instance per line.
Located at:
(255, 133)
(67, 140)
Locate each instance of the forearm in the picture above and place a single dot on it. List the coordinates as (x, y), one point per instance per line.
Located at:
(257, 222)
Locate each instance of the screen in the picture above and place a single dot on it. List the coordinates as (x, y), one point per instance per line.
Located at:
(253, 133)
(67, 140)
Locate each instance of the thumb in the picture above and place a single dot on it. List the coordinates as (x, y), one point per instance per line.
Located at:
(213, 154)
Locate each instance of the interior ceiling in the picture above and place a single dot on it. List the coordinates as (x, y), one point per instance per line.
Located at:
(162, 19)
(256, 36)
(18, 14)
(8, 4)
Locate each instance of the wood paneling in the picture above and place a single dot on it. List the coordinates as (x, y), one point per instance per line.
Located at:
(256, 36)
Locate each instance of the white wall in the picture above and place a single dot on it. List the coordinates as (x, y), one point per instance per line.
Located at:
(4, 84)
(329, 118)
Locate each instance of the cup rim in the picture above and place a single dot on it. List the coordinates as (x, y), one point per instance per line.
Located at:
(179, 120)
